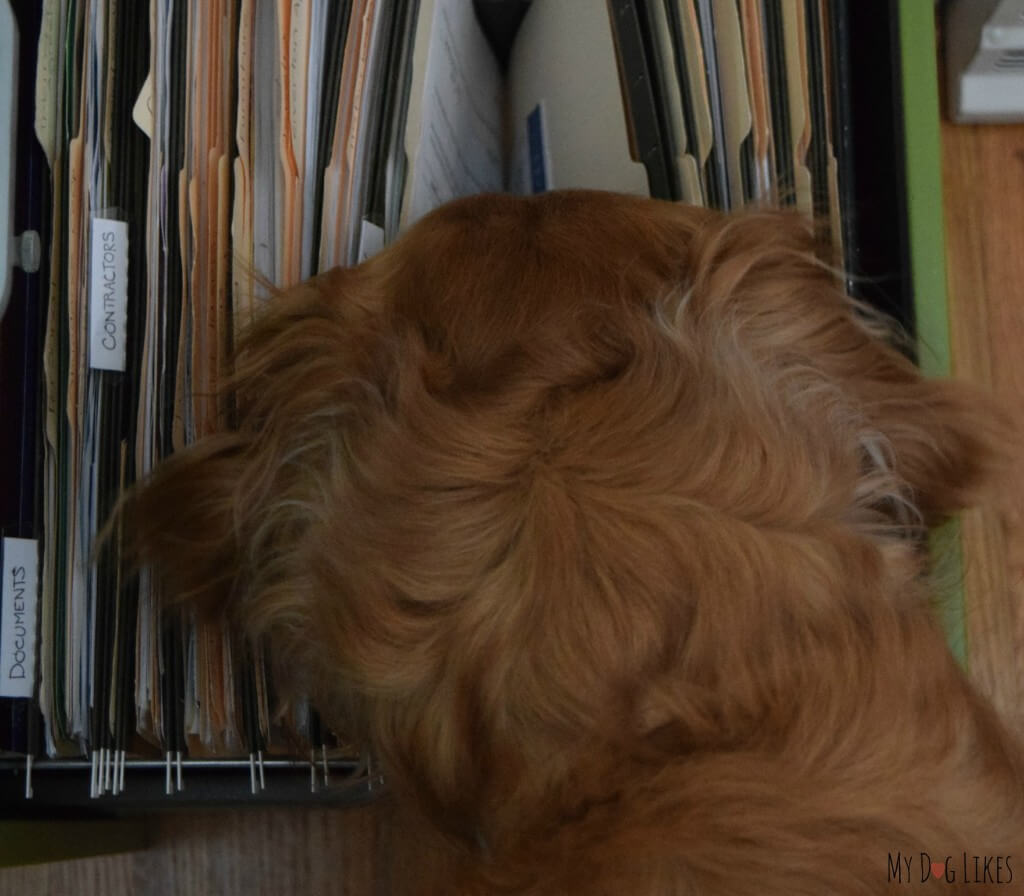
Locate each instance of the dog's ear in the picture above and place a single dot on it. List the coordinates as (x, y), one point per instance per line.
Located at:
(181, 522)
(216, 519)
(949, 442)
(760, 277)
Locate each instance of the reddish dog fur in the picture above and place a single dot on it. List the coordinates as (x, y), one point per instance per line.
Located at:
(599, 520)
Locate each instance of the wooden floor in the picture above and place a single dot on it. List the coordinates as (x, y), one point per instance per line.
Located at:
(984, 199)
(316, 852)
(231, 853)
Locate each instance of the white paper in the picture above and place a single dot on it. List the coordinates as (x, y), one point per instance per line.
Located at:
(564, 61)
(142, 111)
(108, 294)
(454, 129)
(312, 165)
(265, 118)
(18, 620)
(371, 240)
(737, 118)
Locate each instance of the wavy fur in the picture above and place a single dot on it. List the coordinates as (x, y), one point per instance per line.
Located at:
(599, 520)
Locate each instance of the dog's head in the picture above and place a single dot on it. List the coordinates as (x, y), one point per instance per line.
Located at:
(490, 489)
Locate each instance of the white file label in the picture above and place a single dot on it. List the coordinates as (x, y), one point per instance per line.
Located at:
(18, 620)
(108, 294)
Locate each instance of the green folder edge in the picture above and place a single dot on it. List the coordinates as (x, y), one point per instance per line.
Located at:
(927, 247)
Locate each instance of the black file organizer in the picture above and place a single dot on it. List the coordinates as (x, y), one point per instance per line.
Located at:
(867, 100)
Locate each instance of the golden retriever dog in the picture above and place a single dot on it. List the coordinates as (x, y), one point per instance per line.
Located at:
(599, 520)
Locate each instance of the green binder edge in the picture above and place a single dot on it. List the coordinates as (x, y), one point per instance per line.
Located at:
(927, 248)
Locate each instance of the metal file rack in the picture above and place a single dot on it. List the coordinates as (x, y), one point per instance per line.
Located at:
(877, 256)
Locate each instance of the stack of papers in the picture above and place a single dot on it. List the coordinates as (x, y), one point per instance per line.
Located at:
(204, 155)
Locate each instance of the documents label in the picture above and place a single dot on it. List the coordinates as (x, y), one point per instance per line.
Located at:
(18, 620)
